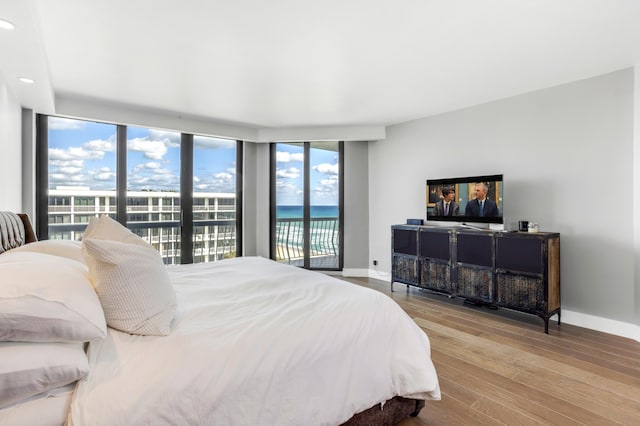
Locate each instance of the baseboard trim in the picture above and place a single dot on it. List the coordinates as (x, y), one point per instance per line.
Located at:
(355, 272)
(368, 273)
(605, 325)
(379, 275)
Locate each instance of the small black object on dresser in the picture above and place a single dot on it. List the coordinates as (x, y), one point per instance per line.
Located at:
(514, 270)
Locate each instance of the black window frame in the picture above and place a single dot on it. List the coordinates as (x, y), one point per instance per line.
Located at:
(186, 185)
(306, 206)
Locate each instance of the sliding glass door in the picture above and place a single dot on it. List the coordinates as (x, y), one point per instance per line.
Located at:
(306, 211)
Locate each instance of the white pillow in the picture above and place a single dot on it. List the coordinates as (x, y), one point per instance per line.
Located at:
(28, 369)
(46, 298)
(105, 228)
(133, 286)
(63, 248)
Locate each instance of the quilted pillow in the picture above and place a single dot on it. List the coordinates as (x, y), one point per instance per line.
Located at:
(28, 369)
(46, 298)
(133, 286)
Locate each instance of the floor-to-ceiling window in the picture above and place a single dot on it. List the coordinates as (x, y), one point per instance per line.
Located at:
(214, 198)
(153, 189)
(140, 177)
(81, 172)
(306, 197)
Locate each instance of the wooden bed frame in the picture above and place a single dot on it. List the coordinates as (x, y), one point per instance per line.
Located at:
(14, 233)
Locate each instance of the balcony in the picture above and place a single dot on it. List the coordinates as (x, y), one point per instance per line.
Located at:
(213, 239)
(323, 242)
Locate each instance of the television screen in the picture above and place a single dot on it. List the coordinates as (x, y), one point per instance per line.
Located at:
(466, 199)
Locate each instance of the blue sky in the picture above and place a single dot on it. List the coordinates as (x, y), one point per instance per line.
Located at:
(323, 174)
(82, 153)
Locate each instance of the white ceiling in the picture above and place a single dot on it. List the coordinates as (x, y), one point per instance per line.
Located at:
(302, 63)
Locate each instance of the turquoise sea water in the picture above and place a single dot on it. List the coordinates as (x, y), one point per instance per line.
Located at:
(295, 212)
(323, 234)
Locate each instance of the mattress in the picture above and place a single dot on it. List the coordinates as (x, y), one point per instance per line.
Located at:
(255, 342)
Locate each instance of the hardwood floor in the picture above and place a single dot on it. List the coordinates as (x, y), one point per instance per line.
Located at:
(499, 368)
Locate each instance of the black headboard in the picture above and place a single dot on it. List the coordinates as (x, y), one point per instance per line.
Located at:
(15, 230)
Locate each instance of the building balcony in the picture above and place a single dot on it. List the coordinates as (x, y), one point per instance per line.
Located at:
(323, 242)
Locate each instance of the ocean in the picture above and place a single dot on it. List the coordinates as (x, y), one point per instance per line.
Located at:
(323, 232)
(295, 212)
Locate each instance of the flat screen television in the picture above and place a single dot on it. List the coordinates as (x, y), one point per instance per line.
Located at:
(466, 199)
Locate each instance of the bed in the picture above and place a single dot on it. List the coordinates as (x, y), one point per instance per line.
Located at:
(244, 341)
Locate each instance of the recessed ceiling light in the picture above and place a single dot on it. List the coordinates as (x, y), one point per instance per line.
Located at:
(6, 25)
(26, 80)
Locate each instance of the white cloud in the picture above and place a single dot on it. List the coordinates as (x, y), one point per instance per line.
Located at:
(100, 145)
(74, 153)
(166, 181)
(70, 170)
(327, 189)
(59, 123)
(161, 171)
(170, 139)
(328, 169)
(57, 177)
(84, 154)
(150, 165)
(286, 157)
(105, 176)
(285, 187)
(332, 182)
(64, 178)
(290, 173)
(224, 175)
(66, 163)
(218, 182)
(152, 149)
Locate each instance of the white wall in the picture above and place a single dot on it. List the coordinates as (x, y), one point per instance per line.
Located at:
(10, 151)
(29, 164)
(636, 193)
(567, 158)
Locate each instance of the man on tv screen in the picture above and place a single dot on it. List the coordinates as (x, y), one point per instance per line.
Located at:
(446, 206)
(481, 206)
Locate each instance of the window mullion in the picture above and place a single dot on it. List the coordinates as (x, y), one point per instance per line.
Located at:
(307, 205)
(121, 174)
(186, 198)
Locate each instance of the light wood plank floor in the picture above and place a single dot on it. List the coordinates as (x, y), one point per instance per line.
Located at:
(499, 368)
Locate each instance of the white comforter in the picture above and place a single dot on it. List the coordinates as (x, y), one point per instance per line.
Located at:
(258, 343)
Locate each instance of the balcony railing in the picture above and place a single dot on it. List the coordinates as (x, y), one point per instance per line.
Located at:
(216, 239)
(323, 241)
